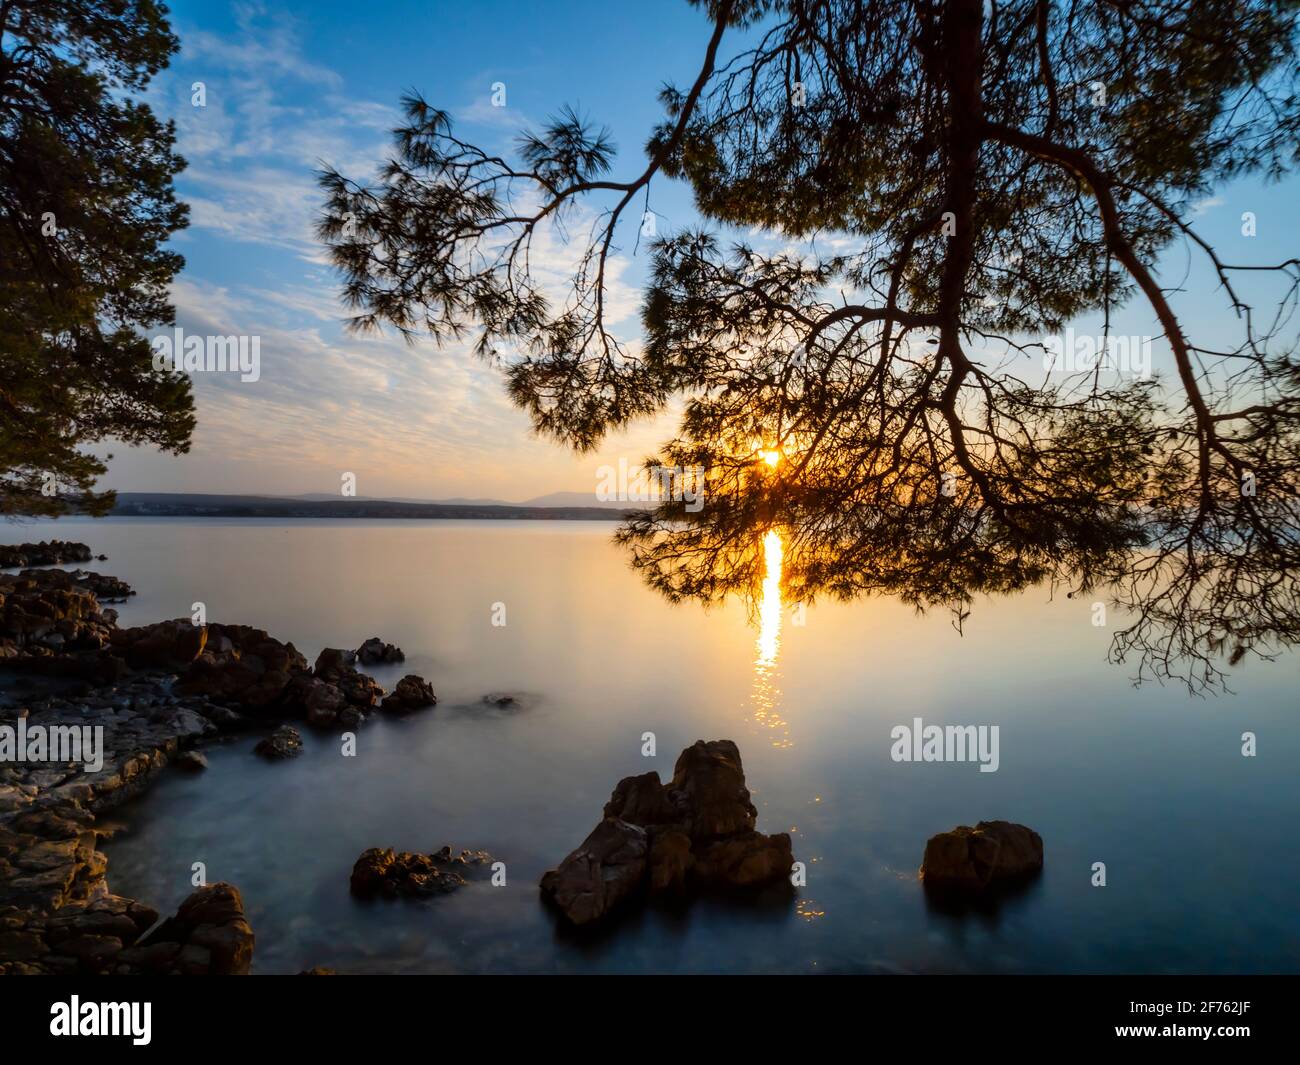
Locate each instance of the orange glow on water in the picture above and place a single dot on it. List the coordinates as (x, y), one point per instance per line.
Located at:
(766, 695)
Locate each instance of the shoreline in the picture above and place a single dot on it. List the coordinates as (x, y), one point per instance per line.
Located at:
(64, 663)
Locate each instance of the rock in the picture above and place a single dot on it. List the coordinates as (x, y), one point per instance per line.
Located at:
(607, 868)
(318, 970)
(388, 873)
(191, 760)
(695, 833)
(337, 668)
(988, 856)
(92, 952)
(643, 801)
(746, 860)
(284, 742)
(21, 946)
(333, 660)
(45, 553)
(187, 724)
(166, 645)
(375, 652)
(411, 693)
(106, 588)
(709, 785)
(322, 703)
(44, 611)
(208, 936)
(670, 861)
(252, 674)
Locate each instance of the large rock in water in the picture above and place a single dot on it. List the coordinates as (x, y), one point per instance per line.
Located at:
(988, 856)
(208, 936)
(375, 652)
(411, 693)
(695, 832)
(608, 866)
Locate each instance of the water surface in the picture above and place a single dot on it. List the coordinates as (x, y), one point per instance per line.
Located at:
(1199, 842)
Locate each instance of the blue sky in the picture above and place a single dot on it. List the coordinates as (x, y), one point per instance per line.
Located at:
(292, 84)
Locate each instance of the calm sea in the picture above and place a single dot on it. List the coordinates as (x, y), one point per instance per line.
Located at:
(1199, 842)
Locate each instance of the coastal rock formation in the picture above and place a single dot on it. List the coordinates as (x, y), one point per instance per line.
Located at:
(335, 694)
(156, 691)
(375, 652)
(244, 666)
(48, 613)
(169, 645)
(45, 553)
(411, 693)
(106, 589)
(986, 857)
(387, 873)
(697, 832)
(209, 936)
(284, 742)
(57, 914)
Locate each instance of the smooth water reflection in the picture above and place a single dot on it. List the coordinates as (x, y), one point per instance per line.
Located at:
(1148, 780)
(765, 698)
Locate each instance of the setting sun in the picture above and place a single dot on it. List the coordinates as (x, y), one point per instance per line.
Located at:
(772, 458)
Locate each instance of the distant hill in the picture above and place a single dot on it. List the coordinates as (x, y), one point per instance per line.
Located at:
(579, 499)
(183, 504)
(328, 497)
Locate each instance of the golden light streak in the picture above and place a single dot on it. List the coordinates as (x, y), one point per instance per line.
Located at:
(766, 696)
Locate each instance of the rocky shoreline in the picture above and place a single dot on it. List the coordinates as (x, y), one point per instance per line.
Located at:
(157, 693)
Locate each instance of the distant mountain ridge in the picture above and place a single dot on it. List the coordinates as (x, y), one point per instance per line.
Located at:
(552, 499)
(187, 504)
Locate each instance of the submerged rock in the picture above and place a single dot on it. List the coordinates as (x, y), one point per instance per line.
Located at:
(191, 760)
(988, 856)
(695, 833)
(284, 742)
(388, 873)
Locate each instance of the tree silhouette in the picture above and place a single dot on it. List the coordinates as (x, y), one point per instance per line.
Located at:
(950, 183)
(86, 206)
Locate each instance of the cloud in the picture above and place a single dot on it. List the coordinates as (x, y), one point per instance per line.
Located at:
(408, 419)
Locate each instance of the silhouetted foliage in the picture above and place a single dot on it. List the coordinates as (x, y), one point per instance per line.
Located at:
(949, 189)
(86, 206)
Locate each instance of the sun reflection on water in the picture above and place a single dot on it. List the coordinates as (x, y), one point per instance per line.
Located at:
(765, 697)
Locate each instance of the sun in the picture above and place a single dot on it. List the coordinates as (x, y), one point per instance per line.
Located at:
(772, 458)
